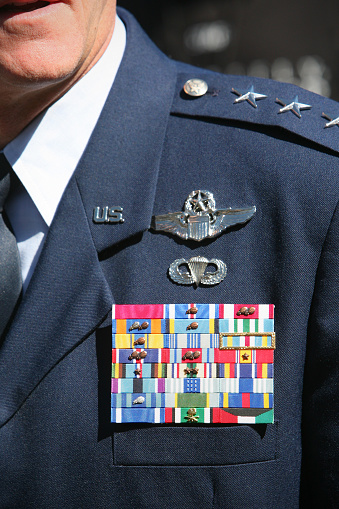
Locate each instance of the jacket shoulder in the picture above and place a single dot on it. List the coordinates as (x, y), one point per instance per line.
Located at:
(256, 102)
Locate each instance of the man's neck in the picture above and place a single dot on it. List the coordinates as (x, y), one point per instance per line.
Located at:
(18, 108)
(20, 102)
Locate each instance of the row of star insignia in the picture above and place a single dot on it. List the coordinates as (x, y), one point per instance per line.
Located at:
(198, 87)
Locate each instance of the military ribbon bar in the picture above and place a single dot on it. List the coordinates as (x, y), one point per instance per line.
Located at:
(192, 363)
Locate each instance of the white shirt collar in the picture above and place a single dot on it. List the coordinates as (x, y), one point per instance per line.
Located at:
(46, 153)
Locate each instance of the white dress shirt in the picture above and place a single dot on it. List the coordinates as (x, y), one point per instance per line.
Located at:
(46, 153)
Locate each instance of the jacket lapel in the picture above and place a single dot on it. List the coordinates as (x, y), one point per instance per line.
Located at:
(121, 164)
(68, 296)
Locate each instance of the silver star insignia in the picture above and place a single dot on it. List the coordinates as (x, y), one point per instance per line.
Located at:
(250, 96)
(200, 202)
(294, 106)
(200, 219)
(332, 122)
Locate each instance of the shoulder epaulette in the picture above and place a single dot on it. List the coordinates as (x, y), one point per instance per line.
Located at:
(260, 102)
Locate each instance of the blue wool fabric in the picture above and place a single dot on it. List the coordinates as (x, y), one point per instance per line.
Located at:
(153, 145)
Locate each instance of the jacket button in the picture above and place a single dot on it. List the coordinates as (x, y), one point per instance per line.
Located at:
(195, 87)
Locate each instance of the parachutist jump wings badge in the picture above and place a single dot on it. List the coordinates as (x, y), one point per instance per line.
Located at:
(200, 219)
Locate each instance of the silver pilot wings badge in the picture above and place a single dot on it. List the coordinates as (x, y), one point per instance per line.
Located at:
(200, 219)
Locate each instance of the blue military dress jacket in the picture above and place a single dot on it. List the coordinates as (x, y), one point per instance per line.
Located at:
(153, 145)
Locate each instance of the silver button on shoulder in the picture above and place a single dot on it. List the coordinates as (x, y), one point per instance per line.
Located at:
(195, 87)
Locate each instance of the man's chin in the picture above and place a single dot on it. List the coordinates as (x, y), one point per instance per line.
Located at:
(44, 44)
(47, 66)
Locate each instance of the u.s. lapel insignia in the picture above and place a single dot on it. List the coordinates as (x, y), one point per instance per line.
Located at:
(200, 219)
(108, 215)
(197, 273)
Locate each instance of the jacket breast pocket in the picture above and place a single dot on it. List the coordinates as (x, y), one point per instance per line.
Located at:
(202, 371)
(142, 445)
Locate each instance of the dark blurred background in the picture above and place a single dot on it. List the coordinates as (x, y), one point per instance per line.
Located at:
(296, 41)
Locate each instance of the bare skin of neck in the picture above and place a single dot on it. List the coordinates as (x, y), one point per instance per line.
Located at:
(18, 107)
(21, 101)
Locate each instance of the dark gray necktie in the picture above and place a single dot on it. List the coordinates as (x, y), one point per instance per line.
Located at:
(10, 273)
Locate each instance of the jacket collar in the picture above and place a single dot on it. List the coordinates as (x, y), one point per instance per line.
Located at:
(68, 296)
(120, 166)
